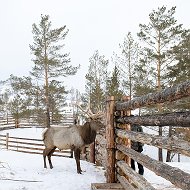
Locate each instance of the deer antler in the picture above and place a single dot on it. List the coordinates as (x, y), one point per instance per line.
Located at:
(90, 114)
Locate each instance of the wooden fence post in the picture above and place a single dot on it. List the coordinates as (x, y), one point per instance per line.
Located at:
(110, 108)
(16, 123)
(7, 141)
(92, 152)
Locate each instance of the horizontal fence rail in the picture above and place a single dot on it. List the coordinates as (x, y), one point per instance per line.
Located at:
(28, 145)
(170, 143)
(170, 94)
(179, 119)
(141, 182)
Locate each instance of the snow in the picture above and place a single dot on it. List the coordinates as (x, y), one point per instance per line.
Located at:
(27, 173)
(21, 166)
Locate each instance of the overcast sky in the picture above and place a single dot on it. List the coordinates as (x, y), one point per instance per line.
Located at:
(93, 25)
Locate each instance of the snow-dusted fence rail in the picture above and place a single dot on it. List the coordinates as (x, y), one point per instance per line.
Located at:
(10, 123)
(118, 136)
(7, 123)
(28, 145)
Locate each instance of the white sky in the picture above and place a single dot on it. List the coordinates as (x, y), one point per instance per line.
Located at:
(93, 24)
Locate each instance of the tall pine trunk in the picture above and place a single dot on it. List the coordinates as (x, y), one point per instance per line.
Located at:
(159, 88)
(168, 156)
(47, 90)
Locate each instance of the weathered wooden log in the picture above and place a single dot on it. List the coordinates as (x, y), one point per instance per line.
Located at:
(170, 94)
(181, 119)
(101, 150)
(100, 140)
(176, 176)
(137, 179)
(124, 182)
(106, 186)
(92, 152)
(126, 142)
(110, 176)
(170, 143)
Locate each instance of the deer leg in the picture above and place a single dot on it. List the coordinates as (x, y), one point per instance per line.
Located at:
(46, 151)
(49, 157)
(44, 156)
(77, 158)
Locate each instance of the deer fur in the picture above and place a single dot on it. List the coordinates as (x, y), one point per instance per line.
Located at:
(74, 137)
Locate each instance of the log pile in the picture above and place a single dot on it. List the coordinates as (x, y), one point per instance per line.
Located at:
(101, 149)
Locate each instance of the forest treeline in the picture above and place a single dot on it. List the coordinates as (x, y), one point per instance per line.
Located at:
(155, 58)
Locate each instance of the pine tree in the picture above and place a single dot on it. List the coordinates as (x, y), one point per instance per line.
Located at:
(126, 63)
(96, 81)
(5, 103)
(19, 102)
(143, 83)
(160, 35)
(181, 71)
(49, 61)
(113, 85)
(57, 93)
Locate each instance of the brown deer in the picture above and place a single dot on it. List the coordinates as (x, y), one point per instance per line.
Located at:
(74, 137)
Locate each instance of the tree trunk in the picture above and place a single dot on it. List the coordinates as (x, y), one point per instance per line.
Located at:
(17, 120)
(160, 153)
(159, 88)
(168, 156)
(47, 116)
(46, 67)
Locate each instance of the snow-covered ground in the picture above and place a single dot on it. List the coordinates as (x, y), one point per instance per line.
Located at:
(29, 168)
(20, 171)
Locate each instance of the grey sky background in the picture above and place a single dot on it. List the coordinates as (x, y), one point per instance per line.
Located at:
(93, 25)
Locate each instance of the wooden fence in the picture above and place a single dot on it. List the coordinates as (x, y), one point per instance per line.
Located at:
(8, 122)
(118, 136)
(28, 145)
